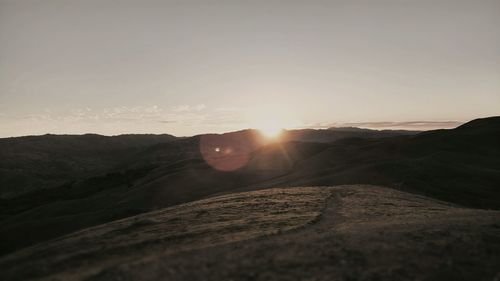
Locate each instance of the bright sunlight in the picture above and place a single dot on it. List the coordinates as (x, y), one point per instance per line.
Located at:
(270, 131)
(273, 121)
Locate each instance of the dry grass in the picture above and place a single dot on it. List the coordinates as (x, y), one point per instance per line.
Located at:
(191, 226)
(365, 233)
(359, 233)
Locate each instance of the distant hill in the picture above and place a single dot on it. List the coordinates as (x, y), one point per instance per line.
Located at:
(334, 134)
(460, 165)
(38, 162)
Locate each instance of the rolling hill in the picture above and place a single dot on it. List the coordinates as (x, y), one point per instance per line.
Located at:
(321, 233)
(460, 166)
(40, 162)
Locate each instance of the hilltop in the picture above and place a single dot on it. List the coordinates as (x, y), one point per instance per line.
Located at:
(320, 233)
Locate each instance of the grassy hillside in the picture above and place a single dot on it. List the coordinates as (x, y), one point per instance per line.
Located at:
(460, 165)
(39, 162)
(327, 233)
(190, 226)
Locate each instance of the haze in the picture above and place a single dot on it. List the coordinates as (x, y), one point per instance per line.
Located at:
(189, 67)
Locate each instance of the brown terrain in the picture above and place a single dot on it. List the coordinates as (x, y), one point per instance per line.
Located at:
(54, 185)
(350, 232)
(334, 204)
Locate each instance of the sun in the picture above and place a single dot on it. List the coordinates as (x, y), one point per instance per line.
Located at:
(271, 128)
(272, 121)
(271, 131)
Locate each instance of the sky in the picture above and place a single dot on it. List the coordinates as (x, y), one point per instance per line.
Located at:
(186, 67)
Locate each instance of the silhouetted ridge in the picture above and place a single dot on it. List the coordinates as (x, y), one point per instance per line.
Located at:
(489, 124)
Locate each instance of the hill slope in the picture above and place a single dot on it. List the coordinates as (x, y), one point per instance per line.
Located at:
(186, 227)
(363, 233)
(38, 162)
(461, 165)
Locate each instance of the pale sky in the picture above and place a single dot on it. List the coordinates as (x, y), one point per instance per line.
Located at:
(194, 66)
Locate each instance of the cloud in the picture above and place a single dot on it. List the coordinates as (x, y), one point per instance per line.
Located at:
(232, 108)
(406, 125)
(179, 120)
(132, 113)
(183, 120)
(189, 108)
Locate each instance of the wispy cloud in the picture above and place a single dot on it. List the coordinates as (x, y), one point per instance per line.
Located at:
(404, 125)
(188, 108)
(181, 120)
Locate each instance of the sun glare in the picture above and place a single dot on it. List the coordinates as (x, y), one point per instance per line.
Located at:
(272, 127)
(272, 121)
(270, 131)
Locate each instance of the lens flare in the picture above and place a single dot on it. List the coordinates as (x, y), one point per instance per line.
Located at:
(225, 153)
